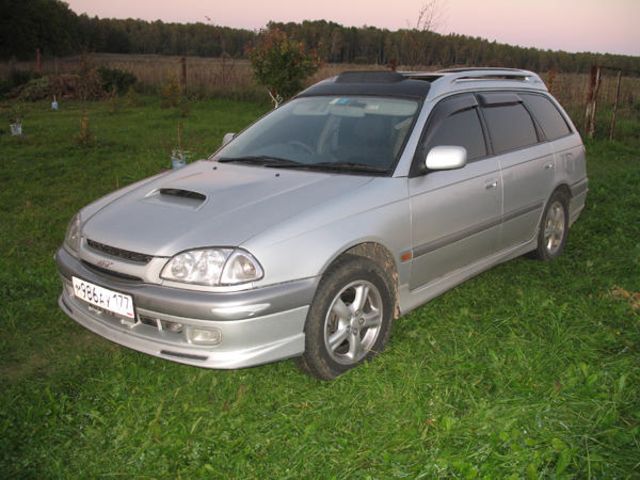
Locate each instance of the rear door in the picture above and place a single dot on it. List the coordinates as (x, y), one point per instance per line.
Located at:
(455, 213)
(570, 162)
(527, 165)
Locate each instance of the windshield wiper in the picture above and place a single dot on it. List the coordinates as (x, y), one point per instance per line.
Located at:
(277, 162)
(266, 160)
(347, 167)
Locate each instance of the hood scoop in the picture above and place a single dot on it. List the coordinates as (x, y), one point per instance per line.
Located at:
(176, 197)
(178, 192)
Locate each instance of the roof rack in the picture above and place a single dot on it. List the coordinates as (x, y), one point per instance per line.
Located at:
(471, 69)
(485, 77)
(490, 73)
(493, 76)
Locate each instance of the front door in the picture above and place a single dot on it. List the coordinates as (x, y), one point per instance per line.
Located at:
(455, 214)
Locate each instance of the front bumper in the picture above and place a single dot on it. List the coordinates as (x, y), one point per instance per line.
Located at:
(251, 327)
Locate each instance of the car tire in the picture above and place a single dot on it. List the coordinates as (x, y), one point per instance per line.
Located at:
(349, 320)
(554, 227)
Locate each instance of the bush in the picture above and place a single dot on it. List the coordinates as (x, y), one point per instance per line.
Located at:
(170, 93)
(132, 98)
(114, 79)
(36, 89)
(16, 79)
(281, 64)
(65, 85)
(15, 113)
(85, 137)
(89, 85)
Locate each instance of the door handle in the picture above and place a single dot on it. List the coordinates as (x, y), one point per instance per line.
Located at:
(548, 166)
(491, 185)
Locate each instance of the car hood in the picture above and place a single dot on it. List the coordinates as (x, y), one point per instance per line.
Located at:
(211, 204)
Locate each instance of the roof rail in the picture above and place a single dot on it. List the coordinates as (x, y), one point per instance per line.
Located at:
(470, 69)
(461, 79)
(493, 76)
(490, 73)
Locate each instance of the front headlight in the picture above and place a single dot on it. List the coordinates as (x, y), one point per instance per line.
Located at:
(72, 237)
(213, 266)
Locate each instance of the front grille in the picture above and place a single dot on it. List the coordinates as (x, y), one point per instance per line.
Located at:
(120, 253)
(111, 273)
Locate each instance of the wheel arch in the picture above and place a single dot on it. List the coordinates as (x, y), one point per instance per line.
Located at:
(382, 257)
(564, 188)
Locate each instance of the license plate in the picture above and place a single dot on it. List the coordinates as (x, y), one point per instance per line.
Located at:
(115, 302)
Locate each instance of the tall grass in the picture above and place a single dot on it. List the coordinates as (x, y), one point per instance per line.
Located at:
(233, 78)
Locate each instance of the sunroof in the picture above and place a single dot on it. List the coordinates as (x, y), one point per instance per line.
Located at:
(376, 83)
(369, 77)
(425, 77)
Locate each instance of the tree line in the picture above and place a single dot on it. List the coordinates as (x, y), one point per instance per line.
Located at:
(52, 27)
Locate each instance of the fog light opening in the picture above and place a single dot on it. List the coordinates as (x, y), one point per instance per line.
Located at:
(173, 327)
(204, 336)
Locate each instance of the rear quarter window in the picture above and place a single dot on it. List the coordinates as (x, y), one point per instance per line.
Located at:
(549, 118)
(510, 127)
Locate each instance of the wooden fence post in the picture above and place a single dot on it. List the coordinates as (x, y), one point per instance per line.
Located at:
(223, 66)
(183, 75)
(551, 76)
(592, 97)
(612, 127)
(38, 61)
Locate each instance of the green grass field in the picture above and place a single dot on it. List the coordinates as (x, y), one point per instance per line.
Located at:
(531, 370)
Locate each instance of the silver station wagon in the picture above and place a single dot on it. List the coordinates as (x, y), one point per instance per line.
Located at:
(307, 234)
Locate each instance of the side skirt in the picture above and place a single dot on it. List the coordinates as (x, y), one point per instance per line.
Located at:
(412, 299)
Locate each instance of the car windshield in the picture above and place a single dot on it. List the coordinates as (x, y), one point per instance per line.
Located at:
(336, 133)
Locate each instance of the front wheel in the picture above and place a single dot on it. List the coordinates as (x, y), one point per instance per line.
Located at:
(349, 320)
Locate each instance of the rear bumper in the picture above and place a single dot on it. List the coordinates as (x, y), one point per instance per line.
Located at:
(579, 192)
(249, 328)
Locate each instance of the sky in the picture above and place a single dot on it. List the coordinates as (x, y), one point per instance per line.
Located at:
(611, 26)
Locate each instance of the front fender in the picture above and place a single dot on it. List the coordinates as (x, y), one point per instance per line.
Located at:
(307, 245)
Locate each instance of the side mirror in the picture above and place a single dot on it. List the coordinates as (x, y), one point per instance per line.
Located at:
(446, 157)
(227, 138)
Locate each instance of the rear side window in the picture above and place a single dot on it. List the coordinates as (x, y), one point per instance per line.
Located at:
(510, 127)
(552, 123)
(461, 129)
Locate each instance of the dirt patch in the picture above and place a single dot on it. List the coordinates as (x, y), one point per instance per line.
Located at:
(632, 298)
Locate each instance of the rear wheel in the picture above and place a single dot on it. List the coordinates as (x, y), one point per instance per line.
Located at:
(554, 227)
(349, 320)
